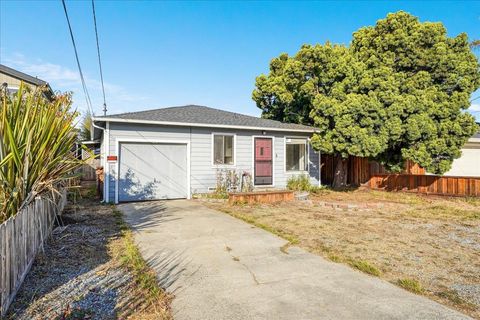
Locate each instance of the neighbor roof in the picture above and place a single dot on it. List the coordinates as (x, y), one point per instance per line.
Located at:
(26, 78)
(201, 116)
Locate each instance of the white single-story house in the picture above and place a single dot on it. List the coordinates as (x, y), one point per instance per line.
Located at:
(175, 152)
(468, 165)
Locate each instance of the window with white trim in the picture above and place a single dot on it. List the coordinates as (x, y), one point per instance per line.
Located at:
(223, 149)
(11, 90)
(296, 154)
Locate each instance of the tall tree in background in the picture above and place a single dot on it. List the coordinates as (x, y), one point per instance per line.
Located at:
(85, 126)
(398, 93)
(429, 78)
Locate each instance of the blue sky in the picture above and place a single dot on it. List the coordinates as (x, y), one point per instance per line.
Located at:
(158, 54)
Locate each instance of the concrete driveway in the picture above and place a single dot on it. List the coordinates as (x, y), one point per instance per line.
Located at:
(219, 267)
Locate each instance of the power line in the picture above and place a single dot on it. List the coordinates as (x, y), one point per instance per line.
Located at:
(84, 86)
(99, 59)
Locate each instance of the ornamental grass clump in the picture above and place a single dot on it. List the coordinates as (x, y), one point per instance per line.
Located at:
(37, 140)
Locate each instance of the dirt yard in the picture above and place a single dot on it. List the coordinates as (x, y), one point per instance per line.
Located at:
(84, 272)
(428, 245)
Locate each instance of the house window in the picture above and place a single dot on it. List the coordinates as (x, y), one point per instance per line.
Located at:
(296, 154)
(223, 149)
(11, 90)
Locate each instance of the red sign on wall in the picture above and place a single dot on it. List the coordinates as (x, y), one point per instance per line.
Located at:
(111, 158)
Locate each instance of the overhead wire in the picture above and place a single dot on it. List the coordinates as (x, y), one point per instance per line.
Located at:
(99, 57)
(82, 78)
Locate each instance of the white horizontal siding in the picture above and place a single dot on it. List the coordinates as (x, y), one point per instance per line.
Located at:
(203, 172)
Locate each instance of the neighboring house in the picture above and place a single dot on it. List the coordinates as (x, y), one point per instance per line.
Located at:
(11, 79)
(468, 165)
(175, 152)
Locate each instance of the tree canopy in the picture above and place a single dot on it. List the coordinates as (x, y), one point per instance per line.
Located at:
(398, 92)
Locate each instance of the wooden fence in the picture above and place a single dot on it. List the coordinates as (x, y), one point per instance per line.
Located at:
(427, 184)
(360, 169)
(88, 170)
(21, 236)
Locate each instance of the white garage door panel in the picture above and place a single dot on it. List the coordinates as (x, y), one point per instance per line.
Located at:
(151, 171)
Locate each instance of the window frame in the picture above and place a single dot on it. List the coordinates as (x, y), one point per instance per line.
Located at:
(307, 154)
(234, 147)
(12, 88)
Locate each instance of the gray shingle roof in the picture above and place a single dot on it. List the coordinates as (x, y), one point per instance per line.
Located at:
(27, 78)
(22, 76)
(194, 114)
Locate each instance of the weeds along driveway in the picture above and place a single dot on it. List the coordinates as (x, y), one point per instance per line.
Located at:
(81, 274)
(219, 267)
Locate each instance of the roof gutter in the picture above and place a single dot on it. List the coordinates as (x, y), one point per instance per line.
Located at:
(201, 125)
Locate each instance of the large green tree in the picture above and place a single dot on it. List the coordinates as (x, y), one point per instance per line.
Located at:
(398, 92)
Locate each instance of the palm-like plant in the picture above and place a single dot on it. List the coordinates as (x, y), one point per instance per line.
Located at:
(37, 138)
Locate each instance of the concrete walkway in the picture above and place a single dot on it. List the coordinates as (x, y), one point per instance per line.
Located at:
(219, 267)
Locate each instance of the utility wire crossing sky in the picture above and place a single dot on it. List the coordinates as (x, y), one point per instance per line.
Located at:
(159, 54)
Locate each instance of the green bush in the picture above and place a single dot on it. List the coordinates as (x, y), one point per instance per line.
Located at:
(302, 183)
(299, 183)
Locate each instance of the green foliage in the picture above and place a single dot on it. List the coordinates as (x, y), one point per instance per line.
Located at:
(299, 183)
(302, 183)
(410, 285)
(85, 127)
(36, 141)
(366, 267)
(398, 93)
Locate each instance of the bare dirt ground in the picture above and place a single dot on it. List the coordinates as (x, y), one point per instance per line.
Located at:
(80, 274)
(429, 245)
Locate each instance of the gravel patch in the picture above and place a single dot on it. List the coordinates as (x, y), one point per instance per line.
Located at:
(76, 277)
(468, 292)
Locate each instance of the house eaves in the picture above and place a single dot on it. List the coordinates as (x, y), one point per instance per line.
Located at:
(200, 125)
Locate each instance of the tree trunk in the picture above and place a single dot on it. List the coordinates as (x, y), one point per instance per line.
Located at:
(341, 171)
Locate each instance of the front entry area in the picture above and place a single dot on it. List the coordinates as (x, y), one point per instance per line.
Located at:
(152, 171)
(263, 162)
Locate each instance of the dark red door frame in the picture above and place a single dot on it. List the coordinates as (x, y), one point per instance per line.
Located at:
(263, 161)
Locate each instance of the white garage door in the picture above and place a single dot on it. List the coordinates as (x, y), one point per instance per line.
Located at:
(151, 171)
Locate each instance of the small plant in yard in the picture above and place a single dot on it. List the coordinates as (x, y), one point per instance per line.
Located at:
(410, 285)
(366, 267)
(227, 181)
(231, 180)
(299, 183)
(334, 258)
(302, 183)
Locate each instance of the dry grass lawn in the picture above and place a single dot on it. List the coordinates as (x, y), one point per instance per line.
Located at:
(428, 245)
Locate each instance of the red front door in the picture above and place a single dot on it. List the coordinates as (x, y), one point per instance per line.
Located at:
(263, 171)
